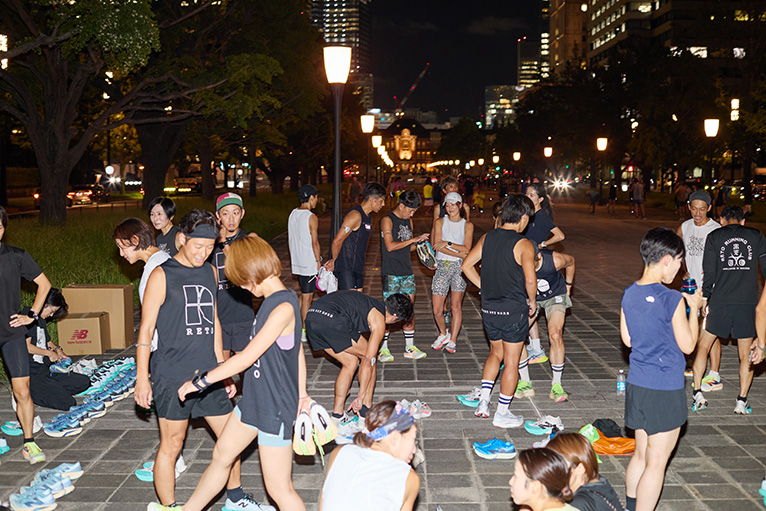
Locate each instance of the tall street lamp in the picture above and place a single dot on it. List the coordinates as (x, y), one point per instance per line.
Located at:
(601, 144)
(377, 140)
(368, 124)
(337, 63)
(711, 130)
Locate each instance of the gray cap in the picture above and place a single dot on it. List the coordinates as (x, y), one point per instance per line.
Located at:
(700, 195)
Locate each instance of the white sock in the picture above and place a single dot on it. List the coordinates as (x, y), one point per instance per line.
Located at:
(409, 338)
(558, 370)
(486, 389)
(534, 344)
(524, 370)
(503, 403)
(384, 345)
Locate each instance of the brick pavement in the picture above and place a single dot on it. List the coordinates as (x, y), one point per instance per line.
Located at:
(718, 465)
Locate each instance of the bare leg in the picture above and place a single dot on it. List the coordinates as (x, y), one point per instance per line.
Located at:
(349, 364)
(217, 423)
(555, 337)
(636, 465)
(437, 302)
(700, 358)
(172, 434)
(658, 449)
(25, 408)
(745, 368)
(511, 356)
(456, 299)
(277, 465)
(494, 359)
(306, 299)
(715, 356)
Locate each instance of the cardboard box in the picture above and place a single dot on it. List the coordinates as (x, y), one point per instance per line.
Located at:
(84, 333)
(117, 300)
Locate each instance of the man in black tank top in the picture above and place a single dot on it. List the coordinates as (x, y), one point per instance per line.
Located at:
(235, 305)
(396, 267)
(508, 299)
(179, 302)
(349, 247)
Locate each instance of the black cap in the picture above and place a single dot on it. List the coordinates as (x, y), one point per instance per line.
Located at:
(306, 191)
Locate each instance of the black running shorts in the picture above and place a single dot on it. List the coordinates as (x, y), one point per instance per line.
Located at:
(654, 411)
(349, 280)
(236, 336)
(327, 333)
(735, 321)
(211, 402)
(509, 327)
(16, 357)
(308, 283)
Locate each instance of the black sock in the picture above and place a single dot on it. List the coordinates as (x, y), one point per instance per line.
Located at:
(743, 399)
(29, 440)
(695, 392)
(236, 494)
(174, 504)
(364, 410)
(337, 415)
(630, 503)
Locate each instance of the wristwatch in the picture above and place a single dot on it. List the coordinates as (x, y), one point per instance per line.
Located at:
(32, 314)
(449, 243)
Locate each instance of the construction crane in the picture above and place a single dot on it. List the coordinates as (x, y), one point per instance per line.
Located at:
(399, 106)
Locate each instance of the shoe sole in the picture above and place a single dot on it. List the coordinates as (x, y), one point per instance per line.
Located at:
(495, 456)
(534, 429)
(707, 388)
(539, 360)
(468, 403)
(502, 426)
(696, 408)
(415, 357)
(746, 411)
(35, 461)
(45, 507)
(526, 393)
(384, 360)
(559, 399)
(61, 433)
(481, 415)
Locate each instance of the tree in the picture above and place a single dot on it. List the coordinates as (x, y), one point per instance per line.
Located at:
(463, 142)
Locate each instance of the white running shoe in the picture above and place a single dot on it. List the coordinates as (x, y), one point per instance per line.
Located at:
(482, 410)
(507, 420)
(441, 341)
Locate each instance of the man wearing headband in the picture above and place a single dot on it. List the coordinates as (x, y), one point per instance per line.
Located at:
(235, 305)
(180, 302)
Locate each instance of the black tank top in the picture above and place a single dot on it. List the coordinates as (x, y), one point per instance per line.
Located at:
(270, 390)
(354, 249)
(396, 263)
(185, 323)
(502, 279)
(550, 281)
(235, 305)
(349, 307)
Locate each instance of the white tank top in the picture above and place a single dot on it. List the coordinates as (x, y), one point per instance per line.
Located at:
(454, 232)
(299, 240)
(365, 479)
(694, 241)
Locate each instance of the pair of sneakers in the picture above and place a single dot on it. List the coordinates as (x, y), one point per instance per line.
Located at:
(411, 352)
(500, 420)
(313, 429)
(418, 409)
(13, 428)
(444, 341)
(525, 389)
(495, 450)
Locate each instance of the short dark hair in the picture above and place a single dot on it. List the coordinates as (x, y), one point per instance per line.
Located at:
(195, 218)
(167, 205)
(57, 301)
(400, 305)
(550, 469)
(516, 206)
(410, 199)
(3, 217)
(373, 190)
(733, 213)
(135, 227)
(660, 242)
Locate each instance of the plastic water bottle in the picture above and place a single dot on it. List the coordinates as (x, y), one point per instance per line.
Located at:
(621, 383)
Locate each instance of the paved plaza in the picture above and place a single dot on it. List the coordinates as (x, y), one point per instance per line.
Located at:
(719, 463)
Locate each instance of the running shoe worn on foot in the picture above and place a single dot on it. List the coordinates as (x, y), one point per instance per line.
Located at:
(499, 451)
(710, 384)
(32, 452)
(154, 506)
(384, 355)
(558, 394)
(482, 409)
(304, 338)
(544, 425)
(700, 403)
(507, 420)
(248, 503)
(440, 341)
(450, 347)
(688, 373)
(523, 389)
(742, 408)
(537, 357)
(471, 399)
(33, 499)
(414, 353)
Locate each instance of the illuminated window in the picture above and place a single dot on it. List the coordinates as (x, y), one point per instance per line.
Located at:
(4, 47)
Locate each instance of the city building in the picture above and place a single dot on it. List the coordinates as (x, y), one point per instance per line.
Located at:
(568, 32)
(545, 39)
(410, 146)
(498, 105)
(349, 23)
(528, 62)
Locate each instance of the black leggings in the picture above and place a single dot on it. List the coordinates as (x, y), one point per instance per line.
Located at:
(16, 357)
(54, 390)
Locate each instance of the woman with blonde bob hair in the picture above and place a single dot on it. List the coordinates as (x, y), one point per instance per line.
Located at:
(591, 492)
(274, 386)
(374, 473)
(540, 481)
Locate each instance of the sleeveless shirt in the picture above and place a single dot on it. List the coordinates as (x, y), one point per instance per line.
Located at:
(550, 281)
(302, 256)
(454, 232)
(167, 242)
(354, 249)
(235, 305)
(397, 262)
(502, 278)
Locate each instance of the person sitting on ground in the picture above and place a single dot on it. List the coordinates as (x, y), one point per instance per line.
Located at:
(50, 389)
(375, 472)
(540, 481)
(591, 491)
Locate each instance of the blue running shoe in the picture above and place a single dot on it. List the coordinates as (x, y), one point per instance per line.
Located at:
(506, 451)
(58, 485)
(71, 470)
(488, 445)
(471, 399)
(33, 499)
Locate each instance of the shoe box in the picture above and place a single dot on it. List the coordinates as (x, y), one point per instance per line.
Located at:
(116, 300)
(84, 333)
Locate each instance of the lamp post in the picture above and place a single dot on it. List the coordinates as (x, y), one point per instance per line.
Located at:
(368, 124)
(601, 144)
(711, 130)
(376, 140)
(337, 63)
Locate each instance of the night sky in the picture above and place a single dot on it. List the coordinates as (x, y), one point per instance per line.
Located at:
(469, 44)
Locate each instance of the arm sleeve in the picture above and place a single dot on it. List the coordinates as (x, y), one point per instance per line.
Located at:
(708, 267)
(29, 268)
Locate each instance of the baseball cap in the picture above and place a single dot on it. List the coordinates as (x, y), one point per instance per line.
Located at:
(227, 199)
(700, 195)
(306, 191)
(453, 197)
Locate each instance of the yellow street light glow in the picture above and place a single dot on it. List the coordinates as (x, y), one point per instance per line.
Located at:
(601, 143)
(548, 152)
(481, 161)
(376, 141)
(495, 159)
(711, 127)
(516, 156)
(368, 123)
(337, 63)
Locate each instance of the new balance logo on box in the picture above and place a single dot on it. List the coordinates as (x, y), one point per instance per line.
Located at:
(79, 334)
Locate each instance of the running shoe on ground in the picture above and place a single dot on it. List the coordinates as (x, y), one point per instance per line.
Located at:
(71, 470)
(558, 394)
(325, 429)
(537, 357)
(248, 503)
(523, 389)
(440, 341)
(742, 408)
(146, 473)
(700, 403)
(4, 446)
(32, 452)
(489, 444)
(450, 347)
(471, 399)
(13, 428)
(482, 409)
(33, 499)
(688, 373)
(57, 484)
(499, 451)
(418, 409)
(347, 427)
(418, 458)
(414, 353)
(303, 443)
(544, 425)
(61, 430)
(507, 420)
(384, 355)
(710, 384)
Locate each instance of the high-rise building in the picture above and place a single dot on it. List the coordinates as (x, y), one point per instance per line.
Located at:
(610, 22)
(568, 32)
(528, 63)
(349, 23)
(545, 39)
(498, 105)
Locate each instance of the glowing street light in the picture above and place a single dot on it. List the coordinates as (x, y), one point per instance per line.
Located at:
(548, 151)
(368, 124)
(516, 156)
(601, 144)
(495, 159)
(711, 130)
